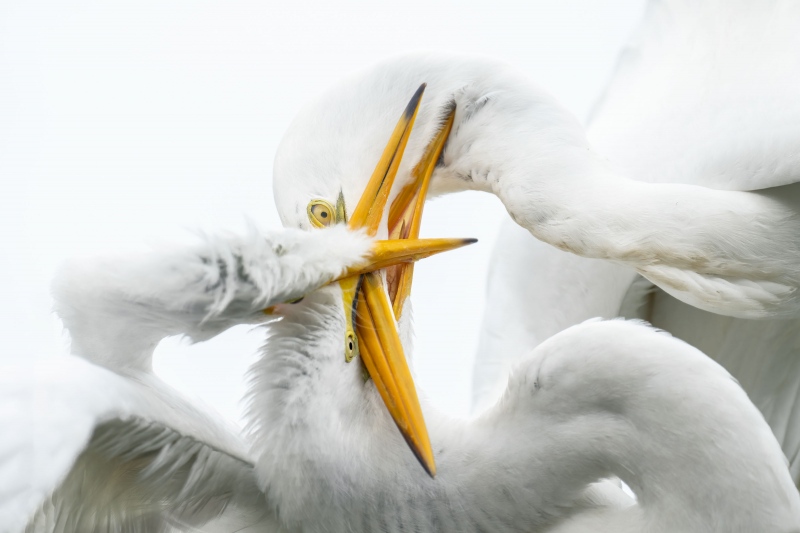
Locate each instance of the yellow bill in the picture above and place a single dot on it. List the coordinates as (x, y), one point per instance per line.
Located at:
(379, 342)
(395, 252)
(370, 313)
(405, 214)
(369, 210)
(403, 252)
(382, 353)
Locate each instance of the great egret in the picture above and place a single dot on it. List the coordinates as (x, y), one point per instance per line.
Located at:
(702, 95)
(689, 181)
(119, 451)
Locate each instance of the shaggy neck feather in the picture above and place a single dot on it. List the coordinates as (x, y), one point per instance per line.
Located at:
(324, 441)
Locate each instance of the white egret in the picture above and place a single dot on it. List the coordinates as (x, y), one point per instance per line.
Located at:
(703, 95)
(689, 181)
(119, 451)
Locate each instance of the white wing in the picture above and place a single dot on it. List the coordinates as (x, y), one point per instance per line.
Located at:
(536, 290)
(118, 307)
(85, 449)
(706, 93)
(108, 446)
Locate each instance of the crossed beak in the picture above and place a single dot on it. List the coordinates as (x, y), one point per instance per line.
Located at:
(374, 306)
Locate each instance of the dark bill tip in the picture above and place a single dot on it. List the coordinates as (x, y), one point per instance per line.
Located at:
(412, 105)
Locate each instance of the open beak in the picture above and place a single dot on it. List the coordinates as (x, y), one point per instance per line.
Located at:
(375, 312)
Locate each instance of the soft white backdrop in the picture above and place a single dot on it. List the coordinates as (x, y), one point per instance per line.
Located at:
(127, 122)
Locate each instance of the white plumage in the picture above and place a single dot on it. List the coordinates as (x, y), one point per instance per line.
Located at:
(119, 451)
(147, 459)
(725, 251)
(603, 398)
(87, 449)
(702, 95)
(582, 406)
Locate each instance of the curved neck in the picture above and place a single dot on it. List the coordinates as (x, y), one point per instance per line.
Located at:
(694, 449)
(327, 450)
(729, 460)
(729, 252)
(300, 397)
(603, 215)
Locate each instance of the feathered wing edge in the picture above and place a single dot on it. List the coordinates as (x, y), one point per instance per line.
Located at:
(84, 449)
(118, 307)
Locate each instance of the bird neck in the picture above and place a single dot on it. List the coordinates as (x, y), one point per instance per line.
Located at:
(728, 252)
(317, 427)
(679, 431)
(329, 456)
(516, 141)
(732, 458)
(542, 167)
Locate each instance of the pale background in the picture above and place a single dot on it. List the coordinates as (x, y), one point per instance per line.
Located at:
(127, 122)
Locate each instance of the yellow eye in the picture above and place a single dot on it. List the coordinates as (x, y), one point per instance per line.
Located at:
(321, 213)
(350, 346)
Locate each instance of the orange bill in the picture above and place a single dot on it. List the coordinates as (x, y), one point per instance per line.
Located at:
(382, 353)
(370, 314)
(403, 252)
(393, 252)
(369, 210)
(368, 307)
(376, 328)
(405, 214)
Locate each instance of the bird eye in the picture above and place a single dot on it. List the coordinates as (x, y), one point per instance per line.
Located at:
(350, 346)
(320, 213)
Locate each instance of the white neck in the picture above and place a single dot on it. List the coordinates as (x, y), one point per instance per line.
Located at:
(616, 399)
(736, 251)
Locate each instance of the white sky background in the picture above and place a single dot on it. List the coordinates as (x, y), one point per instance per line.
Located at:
(127, 122)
